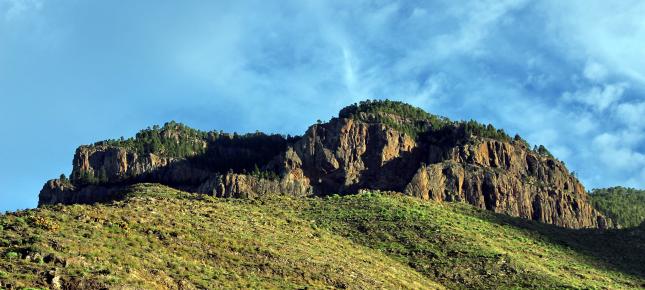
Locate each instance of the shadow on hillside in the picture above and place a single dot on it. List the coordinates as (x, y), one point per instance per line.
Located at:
(617, 249)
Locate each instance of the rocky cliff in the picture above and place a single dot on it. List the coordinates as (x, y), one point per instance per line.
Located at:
(385, 146)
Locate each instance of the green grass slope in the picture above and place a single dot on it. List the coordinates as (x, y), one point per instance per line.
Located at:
(162, 238)
(464, 247)
(624, 205)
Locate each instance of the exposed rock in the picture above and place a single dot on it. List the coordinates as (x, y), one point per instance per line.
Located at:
(344, 155)
(247, 186)
(508, 179)
(57, 191)
(348, 154)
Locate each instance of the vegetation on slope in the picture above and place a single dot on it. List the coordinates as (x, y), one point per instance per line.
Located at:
(214, 151)
(171, 140)
(626, 206)
(163, 238)
(415, 121)
(401, 116)
(464, 247)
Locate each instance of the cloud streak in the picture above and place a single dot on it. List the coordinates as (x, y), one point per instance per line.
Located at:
(569, 75)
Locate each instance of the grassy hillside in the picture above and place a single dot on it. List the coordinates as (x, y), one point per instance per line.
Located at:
(163, 238)
(624, 205)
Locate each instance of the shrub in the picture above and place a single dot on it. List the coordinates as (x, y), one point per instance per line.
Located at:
(12, 255)
(543, 151)
(44, 223)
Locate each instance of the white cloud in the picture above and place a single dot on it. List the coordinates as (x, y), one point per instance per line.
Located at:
(13, 9)
(631, 114)
(597, 97)
(616, 156)
(610, 32)
(583, 125)
(595, 71)
(279, 67)
(349, 72)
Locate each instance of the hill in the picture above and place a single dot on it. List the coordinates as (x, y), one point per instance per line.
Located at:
(159, 237)
(163, 238)
(624, 205)
(377, 145)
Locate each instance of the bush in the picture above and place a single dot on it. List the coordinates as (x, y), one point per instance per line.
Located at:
(543, 151)
(12, 255)
(44, 223)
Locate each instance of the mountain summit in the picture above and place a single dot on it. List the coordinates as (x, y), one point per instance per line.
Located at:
(372, 145)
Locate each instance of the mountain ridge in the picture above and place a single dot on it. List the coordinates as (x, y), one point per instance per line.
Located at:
(375, 145)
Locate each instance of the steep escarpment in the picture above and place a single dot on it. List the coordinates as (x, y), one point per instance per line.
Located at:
(507, 178)
(379, 145)
(216, 163)
(345, 155)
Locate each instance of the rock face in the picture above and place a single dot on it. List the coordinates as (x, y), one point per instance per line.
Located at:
(346, 155)
(61, 191)
(247, 186)
(114, 164)
(507, 178)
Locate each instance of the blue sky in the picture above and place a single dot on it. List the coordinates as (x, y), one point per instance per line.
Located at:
(566, 74)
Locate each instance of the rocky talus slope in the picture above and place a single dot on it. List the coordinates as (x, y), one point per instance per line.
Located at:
(379, 148)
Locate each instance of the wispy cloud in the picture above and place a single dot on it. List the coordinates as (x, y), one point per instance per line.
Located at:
(566, 74)
(13, 9)
(597, 97)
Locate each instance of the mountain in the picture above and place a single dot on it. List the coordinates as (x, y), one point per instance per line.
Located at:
(156, 237)
(377, 145)
(625, 206)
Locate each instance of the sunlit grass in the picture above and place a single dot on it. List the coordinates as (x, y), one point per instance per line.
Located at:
(163, 238)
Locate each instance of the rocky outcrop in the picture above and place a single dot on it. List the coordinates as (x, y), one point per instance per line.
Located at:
(366, 151)
(344, 155)
(100, 172)
(111, 164)
(507, 178)
(61, 191)
(247, 186)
